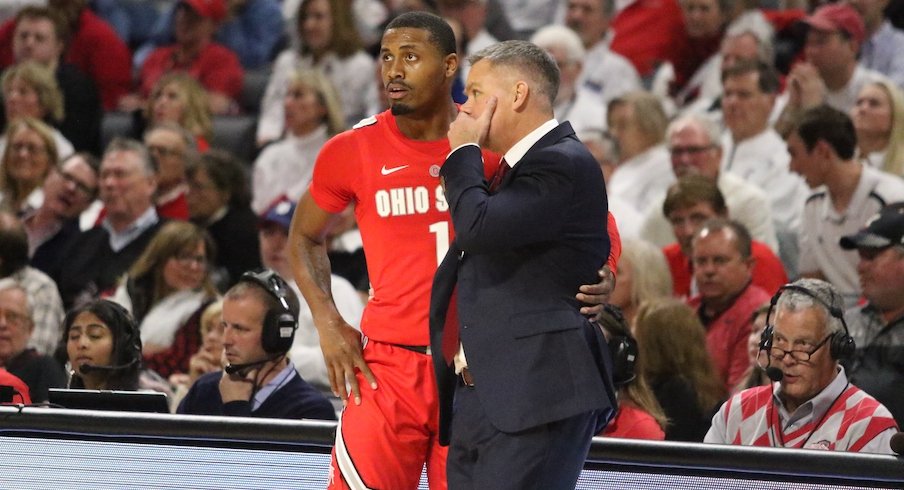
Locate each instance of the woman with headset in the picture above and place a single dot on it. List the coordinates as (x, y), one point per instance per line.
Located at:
(639, 415)
(103, 347)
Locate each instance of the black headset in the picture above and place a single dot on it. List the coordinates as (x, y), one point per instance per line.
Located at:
(128, 345)
(279, 323)
(622, 346)
(841, 346)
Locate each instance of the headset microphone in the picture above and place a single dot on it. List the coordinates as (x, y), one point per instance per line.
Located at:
(93, 368)
(243, 369)
(774, 373)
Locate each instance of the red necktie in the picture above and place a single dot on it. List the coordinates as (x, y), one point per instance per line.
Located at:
(501, 170)
(450, 329)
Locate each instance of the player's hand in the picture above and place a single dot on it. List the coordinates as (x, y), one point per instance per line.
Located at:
(469, 129)
(594, 296)
(342, 351)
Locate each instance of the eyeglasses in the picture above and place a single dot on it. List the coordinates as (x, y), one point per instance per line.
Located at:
(798, 355)
(161, 151)
(677, 151)
(81, 187)
(27, 147)
(14, 319)
(191, 259)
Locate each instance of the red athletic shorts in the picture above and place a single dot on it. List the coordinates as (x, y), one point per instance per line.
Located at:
(385, 442)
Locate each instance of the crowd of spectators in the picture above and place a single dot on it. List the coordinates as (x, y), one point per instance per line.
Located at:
(745, 144)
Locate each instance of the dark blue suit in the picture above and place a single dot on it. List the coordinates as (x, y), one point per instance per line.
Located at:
(526, 249)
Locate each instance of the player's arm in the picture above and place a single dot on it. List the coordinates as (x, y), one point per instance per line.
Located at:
(340, 342)
(594, 296)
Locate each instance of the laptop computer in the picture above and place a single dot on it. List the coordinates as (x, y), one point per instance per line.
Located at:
(126, 401)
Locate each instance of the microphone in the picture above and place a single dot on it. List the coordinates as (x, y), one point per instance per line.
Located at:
(897, 443)
(243, 369)
(774, 373)
(94, 368)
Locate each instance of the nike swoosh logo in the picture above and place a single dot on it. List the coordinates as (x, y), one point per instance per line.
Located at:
(387, 171)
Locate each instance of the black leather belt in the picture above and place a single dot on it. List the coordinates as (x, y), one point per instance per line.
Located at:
(466, 377)
(420, 349)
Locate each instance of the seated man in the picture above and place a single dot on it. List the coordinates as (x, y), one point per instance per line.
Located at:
(689, 203)
(259, 321)
(878, 325)
(38, 371)
(812, 405)
(727, 299)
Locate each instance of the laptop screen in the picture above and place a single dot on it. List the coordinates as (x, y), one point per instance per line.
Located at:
(125, 401)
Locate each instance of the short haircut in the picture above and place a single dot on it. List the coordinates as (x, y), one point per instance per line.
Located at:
(561, 37)
(767, 79)
(795, 300)
(226, 173)
(243, 288)
(13, 245)
(830, 125)
(440, 32)
(528, 59)
(42, 80)
(742, 237)
(691, 190)
(756, 26)
(60, 28)
(120, 144)
(710, 128)
(649, 115)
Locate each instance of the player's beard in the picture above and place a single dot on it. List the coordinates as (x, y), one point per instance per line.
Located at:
(400, 109)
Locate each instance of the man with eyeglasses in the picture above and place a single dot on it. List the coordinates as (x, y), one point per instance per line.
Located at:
(723, 265)
(693, 142)
(813, 405)
(170, 145)
(878, 325)
(93, 261)
(69, 189)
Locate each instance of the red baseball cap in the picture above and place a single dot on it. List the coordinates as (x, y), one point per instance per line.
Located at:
(212, 9)
(838, 17)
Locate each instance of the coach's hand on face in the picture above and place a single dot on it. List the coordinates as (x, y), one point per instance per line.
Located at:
(470, 128)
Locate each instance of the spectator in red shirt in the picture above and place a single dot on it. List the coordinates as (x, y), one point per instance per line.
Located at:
(93, 47)
(194, 52)
(689, 203)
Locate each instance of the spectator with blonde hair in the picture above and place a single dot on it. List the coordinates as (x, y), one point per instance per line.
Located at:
(166, 290)
(643, 276)
(28, 157)
(313, 114)
(329, 41)
(672, 352)
(878, 118)
(30, 90)
(178, 98)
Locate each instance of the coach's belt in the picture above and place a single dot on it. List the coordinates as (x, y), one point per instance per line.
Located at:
(466, 377)
(420, 349)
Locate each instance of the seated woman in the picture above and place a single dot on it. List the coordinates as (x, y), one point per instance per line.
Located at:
(209, 357)
(672, 353)
(639, 415)
(878, 120)
(313, 115)
(330, 42)
(27, 160)
(643, 275)
(30, 90)
(166, 290)
(103, 347)
(177, 98)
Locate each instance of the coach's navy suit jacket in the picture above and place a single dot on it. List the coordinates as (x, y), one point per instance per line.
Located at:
(526, 250)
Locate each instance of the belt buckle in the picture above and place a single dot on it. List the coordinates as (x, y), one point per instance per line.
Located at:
(466, 378)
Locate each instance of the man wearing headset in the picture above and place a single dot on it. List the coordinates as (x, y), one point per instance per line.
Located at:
(811, 404)
(259, 320)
